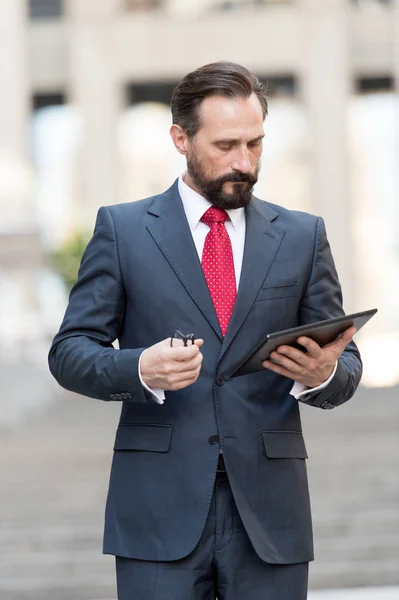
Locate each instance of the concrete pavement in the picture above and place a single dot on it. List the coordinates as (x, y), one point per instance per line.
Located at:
(374, 593)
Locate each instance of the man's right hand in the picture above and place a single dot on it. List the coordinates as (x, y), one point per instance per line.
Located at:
(171, 368)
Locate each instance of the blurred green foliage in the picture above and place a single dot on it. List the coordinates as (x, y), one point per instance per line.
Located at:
(66, 259)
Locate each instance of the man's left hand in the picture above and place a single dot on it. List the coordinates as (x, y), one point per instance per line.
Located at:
(313, 366)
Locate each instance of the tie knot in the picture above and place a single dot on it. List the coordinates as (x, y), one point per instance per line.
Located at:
(214, 215)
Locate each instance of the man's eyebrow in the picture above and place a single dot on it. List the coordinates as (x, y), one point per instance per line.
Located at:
(257, 139)
(225, 141)
(235, 140)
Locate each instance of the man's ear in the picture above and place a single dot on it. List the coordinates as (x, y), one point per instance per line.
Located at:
(179, 138)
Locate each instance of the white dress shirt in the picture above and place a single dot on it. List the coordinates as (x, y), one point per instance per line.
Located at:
(194, 206)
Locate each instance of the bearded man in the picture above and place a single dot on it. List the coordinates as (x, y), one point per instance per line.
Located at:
(208, 495)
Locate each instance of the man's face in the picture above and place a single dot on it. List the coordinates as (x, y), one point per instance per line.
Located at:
(223, 158)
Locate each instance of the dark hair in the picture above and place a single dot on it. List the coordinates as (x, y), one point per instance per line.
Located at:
(216, 79)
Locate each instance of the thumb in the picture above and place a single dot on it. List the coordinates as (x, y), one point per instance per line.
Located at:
(347, 337)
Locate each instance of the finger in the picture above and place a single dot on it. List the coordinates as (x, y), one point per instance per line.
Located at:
(189, 351)
(174, 343)
(297, 356)
(182, 382)
(312, 347)
(347, 336)
(178, 343)
(342, 341)
(278, 369)
(286, 362)
(191, 375)
(183, 353)
(183, 366)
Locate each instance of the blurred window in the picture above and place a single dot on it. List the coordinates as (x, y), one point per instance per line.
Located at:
(383, 83)
(46, 100)
(150, 91)
(280, 85)
(143, 4)
(42, 9)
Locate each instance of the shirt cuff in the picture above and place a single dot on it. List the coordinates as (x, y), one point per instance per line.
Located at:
(157, 394)
(299, 390)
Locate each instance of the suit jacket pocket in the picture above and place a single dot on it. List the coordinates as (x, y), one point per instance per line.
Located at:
(143, 436)
(278, 291)
(284, 444)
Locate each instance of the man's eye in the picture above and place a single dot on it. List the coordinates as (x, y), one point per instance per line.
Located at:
(255, 143)
(225, 147)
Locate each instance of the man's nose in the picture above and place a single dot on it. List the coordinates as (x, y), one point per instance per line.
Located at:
(241, 161)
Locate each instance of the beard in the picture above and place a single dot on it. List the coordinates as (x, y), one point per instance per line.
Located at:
(212, 189)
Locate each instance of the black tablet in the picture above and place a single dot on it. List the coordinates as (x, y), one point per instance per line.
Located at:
(322, 332)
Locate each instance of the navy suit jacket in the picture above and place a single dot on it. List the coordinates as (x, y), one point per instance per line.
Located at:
(140, 280)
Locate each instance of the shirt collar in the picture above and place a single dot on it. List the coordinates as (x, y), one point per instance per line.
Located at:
(195, 205)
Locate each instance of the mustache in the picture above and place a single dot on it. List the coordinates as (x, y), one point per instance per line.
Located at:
(237, 178)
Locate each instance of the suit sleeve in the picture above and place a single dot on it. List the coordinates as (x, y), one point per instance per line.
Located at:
(323, 300)
(82, 357)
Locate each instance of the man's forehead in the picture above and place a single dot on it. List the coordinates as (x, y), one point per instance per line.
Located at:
(223, 113)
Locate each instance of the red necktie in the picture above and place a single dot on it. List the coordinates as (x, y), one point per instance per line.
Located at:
(218, 265)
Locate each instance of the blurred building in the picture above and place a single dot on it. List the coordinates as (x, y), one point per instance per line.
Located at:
(84, 120)
(91, 60)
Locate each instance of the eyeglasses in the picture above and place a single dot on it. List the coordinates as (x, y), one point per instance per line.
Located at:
(178, 335)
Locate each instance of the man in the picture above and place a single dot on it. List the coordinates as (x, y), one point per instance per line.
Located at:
(208, 494)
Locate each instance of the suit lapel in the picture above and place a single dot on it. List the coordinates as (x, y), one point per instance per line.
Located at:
(262, 241)
(169, 229)
(168, 226)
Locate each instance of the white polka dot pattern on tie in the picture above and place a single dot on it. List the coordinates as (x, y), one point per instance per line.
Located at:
(218, 265)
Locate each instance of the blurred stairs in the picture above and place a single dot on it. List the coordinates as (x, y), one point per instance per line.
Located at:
(54, 472)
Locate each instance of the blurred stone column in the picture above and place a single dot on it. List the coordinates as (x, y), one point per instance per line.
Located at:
(15, 193)
(395, 9)
(94, 90)
(326, 84)
(20, 250)
(14, 100)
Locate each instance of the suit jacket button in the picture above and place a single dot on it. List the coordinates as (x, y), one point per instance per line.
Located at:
(123, 396)
(118, 397)
(220, 380)
(214, 439)
(129, 396)
(112, 396)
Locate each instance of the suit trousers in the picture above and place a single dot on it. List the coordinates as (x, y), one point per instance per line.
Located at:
(223, 565)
